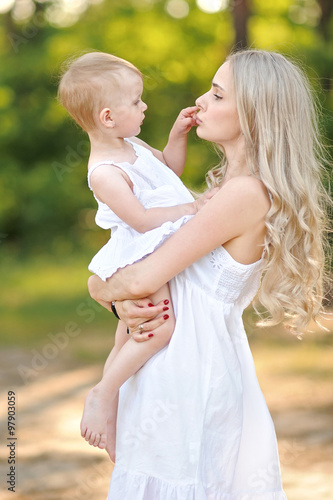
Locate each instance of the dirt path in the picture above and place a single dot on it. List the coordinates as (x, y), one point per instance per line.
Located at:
(54, 463)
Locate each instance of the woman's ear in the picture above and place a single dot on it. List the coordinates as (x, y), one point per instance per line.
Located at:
(106, 118)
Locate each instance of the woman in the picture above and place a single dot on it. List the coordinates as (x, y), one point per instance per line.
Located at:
(193, 423)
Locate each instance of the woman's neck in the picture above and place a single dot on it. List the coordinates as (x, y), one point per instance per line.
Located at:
(236, 160)
(236, 170)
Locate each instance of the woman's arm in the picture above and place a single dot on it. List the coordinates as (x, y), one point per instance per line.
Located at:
(112, 188)
(237, 208)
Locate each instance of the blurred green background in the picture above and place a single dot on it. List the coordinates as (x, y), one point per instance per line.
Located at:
(54, 338)
(47, 229)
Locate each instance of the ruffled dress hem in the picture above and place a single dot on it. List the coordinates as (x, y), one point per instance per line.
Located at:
(145, 487)
(143, 245)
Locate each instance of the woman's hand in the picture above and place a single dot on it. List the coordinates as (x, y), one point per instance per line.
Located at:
(106, 291)
(141, 312)
(133, 312)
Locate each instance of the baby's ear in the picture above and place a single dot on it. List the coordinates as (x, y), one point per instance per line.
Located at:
(106, 118)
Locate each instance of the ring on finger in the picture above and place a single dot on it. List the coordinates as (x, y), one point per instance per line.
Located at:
(141, 328)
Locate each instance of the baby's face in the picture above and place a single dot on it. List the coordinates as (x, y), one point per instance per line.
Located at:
(127, 105)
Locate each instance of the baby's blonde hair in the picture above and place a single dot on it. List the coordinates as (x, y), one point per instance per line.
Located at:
(277, 115)
(84, 85)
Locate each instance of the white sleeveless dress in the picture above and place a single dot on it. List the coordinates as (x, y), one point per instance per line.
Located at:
(193, 423)
(155, 185)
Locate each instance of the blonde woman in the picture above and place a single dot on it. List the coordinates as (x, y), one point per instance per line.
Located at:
(193, 423)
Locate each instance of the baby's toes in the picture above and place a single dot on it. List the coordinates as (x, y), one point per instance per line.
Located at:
(87, 435)
(97, 440)
(103, 442)
(94, 438)
(83, 429)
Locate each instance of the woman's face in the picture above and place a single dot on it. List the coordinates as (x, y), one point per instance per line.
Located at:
(217, 118)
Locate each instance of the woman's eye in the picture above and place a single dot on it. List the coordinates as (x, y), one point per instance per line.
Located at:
(217, 96)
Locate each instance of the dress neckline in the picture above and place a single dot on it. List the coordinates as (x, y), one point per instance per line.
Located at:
(252, 264)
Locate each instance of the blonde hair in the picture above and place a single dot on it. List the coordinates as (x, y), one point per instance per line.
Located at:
(84, 85)
(277, 115)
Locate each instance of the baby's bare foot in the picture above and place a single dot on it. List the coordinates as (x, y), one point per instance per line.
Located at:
(111, 429)
(94, 418)
(111, 439)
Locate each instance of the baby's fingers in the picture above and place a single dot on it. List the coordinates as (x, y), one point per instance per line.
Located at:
(212, 192)
(189, 111)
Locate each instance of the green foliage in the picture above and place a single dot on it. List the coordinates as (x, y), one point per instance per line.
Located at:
(45, 203)
(44, 297)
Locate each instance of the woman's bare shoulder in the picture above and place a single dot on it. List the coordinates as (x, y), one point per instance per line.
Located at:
(247, 189)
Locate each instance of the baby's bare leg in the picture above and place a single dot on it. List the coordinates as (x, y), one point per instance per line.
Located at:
(111, 429)
(97, 408)
(133, 355)
(111, 423)
(101, 400)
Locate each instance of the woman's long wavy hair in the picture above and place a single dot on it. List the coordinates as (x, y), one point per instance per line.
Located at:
(278, 117)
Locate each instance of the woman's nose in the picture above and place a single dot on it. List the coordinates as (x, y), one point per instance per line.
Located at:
(200, 101)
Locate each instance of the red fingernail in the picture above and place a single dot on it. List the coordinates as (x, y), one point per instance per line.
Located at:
(165, 308)
(166, 302)
(165, 316)
(150, 305)
(151, 335)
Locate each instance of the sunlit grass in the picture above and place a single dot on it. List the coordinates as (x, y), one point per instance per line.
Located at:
(41, 296)
(42, 277)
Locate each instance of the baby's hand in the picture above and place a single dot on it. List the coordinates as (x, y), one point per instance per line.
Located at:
(185, 121)
(204, 198)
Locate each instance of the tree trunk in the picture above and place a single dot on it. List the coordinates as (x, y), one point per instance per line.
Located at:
(324, 28)
(240, 12)
(324, 22)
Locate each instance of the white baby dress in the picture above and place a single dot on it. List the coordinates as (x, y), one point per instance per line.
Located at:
(155, 185)
(192, 423)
